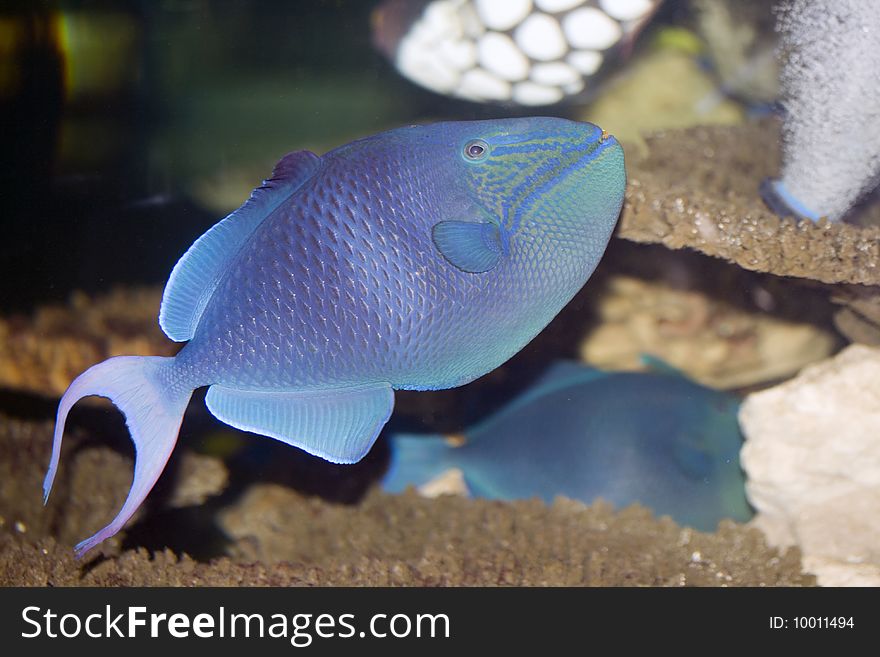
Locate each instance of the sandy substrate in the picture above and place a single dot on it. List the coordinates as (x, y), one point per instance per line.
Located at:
(278, 536)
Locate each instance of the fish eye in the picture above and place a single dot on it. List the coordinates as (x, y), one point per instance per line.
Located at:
(476, 149)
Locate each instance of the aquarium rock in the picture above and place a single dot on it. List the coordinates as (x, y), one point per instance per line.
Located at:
(697, 188)
(859, 317)
(42, 353)
(200, 477)
(711, 339)
(812, 456)
(450, 541)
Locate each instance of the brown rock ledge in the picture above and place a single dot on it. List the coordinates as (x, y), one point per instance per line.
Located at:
(698, 188)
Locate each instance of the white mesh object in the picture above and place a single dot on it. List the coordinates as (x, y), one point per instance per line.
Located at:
(831, 85)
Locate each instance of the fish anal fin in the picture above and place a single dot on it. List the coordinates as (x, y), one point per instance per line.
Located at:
(336, 424)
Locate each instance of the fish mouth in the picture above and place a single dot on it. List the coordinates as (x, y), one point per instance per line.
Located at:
(589, 149)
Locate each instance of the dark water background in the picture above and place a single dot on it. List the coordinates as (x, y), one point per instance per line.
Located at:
(112, 112)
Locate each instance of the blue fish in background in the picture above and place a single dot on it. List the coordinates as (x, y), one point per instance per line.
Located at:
(654, 438)
(420, 258)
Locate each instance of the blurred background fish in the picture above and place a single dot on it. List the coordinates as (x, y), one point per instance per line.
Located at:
(655, 438)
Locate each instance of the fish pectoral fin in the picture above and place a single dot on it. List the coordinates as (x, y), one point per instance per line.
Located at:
(337, 424)
(471, 246)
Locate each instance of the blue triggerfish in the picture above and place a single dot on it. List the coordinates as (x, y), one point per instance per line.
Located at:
(420, 258)
(654, 438)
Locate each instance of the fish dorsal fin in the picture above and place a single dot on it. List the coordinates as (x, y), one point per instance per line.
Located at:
(196, 274)
(472, 246)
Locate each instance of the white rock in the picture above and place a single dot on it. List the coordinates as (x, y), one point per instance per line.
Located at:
(529, 93)
(574, 87)
(626, 10)
(425, 65)
(586, 61)
(440, 19)
(812, 456)
(461, 55)
(557, 5)
(541, 38)
(591, 29)
(471, 24)
(480, 84)
(499, 54)
(448, 482)
(502, 14)
(555, 73)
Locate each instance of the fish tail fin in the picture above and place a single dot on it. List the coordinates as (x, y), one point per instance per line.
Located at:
(143, 388)
(415, 460)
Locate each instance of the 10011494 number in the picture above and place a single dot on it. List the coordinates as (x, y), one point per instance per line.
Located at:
(822, 622)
